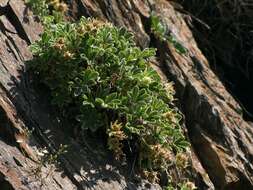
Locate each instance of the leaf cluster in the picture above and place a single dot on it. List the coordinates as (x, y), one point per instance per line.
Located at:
(97, 74)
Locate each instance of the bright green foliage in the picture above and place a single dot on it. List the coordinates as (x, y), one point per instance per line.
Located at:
(161, 32)
(158, 28)
(96, 73)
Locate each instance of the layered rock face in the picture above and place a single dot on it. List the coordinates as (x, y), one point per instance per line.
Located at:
(222, 141)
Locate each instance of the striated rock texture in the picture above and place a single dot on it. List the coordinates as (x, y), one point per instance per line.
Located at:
(221, 139)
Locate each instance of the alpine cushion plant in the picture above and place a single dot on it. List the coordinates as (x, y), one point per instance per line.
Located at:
(96, 70)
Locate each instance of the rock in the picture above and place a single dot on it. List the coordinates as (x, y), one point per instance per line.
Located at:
(221, 138)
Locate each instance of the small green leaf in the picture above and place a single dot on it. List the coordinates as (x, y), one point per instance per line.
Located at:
(100, 102)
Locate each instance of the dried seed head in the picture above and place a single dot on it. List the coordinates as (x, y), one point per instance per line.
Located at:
(115, 136)
(190, 185)
(170, 115)
(60, 44)
(151, 176)
(68, 55)
(62, 7)
(92, 25)
(61, 41)
(81, 30)
(160, 152)
(182, 160)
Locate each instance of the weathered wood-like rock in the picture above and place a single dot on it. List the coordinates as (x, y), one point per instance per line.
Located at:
(222, 139)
